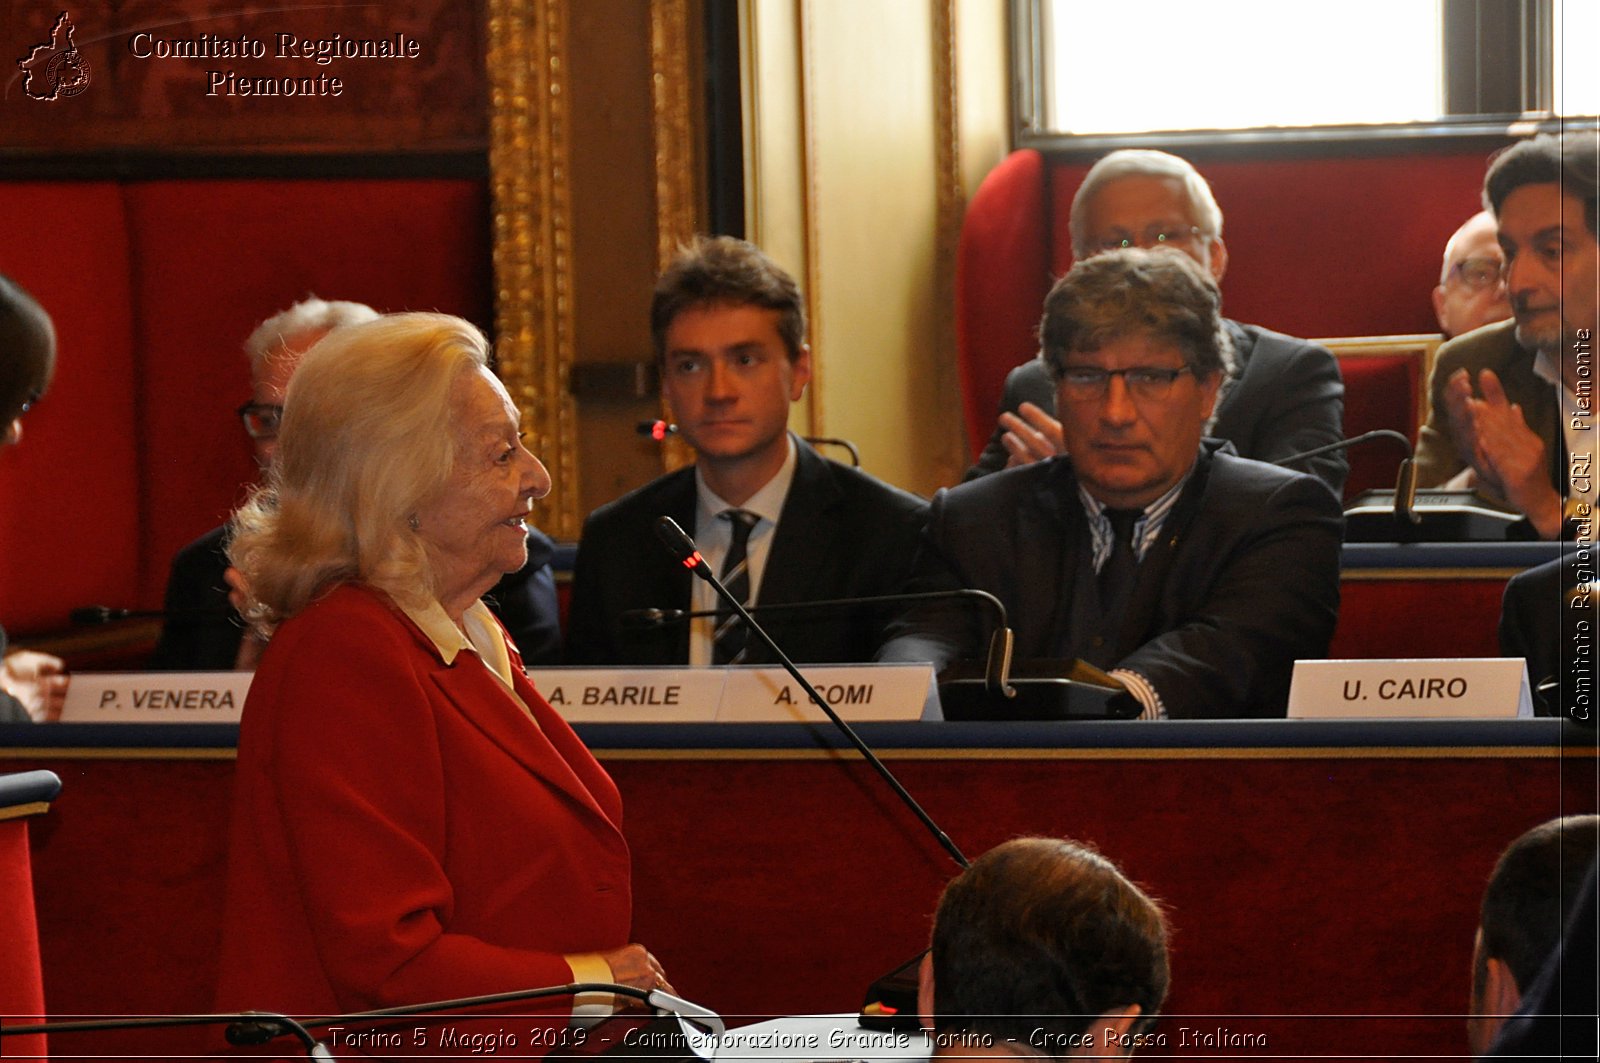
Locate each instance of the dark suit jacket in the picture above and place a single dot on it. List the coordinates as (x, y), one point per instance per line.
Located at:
(11, 710)
(841, 534)
(1288, 398)
(1540, 623)
(402, 831)
(1243, 581)
(1491, 347)
(202, 632)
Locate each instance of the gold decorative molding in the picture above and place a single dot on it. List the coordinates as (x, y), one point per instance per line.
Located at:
(532, 232)
(950, 209)
(809, 205)
(677, 150)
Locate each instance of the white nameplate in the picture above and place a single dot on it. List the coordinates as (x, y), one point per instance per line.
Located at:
(155, 697)
(1439, 688)
(857, 692)
(631, 695)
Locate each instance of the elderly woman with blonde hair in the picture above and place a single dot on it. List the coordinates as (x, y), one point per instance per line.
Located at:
(412, 821)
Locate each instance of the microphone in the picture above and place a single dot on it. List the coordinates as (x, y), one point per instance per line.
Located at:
(94, 615)
(891, 1000)
(1394, 516)
(1405, 488)
(997, 666)
(659, 430)
(682, 548)
(695, 1024)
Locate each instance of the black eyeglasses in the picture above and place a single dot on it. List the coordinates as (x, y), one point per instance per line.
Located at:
(261, 420)
(1086, 383)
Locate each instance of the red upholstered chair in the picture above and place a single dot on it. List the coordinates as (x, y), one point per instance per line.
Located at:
(22, 795)
(1002, 277)
(1384, 387)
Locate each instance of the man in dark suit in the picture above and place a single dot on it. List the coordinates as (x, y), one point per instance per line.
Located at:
(776, 521)
(1194, 576)
(1279, 396)
(1513, 403)
(202, 630)
(32, 684)
(1548, 617)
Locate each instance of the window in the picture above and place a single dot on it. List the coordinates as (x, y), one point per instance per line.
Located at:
(1231, 69)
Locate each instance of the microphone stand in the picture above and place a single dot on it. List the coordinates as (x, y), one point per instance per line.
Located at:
(898, 986)
(682, 548)
(250, 1028)
(997, 665)
(1405, 485)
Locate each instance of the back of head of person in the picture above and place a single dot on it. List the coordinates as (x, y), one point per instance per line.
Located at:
(1535, 882)
(27, 356)
(1043, 947)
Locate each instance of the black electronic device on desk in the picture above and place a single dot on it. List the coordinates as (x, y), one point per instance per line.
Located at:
(1035, 690)
(1435, 516)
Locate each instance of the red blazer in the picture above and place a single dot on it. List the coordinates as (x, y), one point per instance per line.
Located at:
(402, 832)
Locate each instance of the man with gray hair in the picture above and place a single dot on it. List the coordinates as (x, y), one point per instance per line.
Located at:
(203, 631)
(1195, 577)
(1277, 397)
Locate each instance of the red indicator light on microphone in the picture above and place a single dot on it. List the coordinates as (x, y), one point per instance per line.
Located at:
(693, 561)
(658, 431)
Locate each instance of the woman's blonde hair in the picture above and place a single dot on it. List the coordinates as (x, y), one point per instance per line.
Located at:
(368, 436)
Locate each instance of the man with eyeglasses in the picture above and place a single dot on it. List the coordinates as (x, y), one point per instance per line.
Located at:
(1278, 396)
(1471, 291)
(32, 684)
(1195, 577)
(1512, 404)
(203, 630)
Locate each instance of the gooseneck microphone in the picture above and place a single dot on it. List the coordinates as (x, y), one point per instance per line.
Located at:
(1405, 487)
(683, 550)
(997, 666)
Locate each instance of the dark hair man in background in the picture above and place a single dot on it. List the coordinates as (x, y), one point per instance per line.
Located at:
(1536, 882)
(1277, 396)
(1514, 402)
(778, 522)
(1043, 947)
(32, 686)
(1194, 576)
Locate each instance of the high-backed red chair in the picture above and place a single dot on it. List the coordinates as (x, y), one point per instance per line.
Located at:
(1015, 239)
(1002, 276)
(22, 794)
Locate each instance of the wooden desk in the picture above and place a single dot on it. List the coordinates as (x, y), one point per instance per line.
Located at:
(1310, 868)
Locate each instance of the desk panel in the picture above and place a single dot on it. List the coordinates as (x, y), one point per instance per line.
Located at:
(1309, 868)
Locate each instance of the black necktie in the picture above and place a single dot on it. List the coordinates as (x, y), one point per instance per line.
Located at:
(1116, 575)
(729, 641)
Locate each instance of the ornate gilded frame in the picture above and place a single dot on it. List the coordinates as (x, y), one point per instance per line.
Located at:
(529, 164)
(532, 233)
